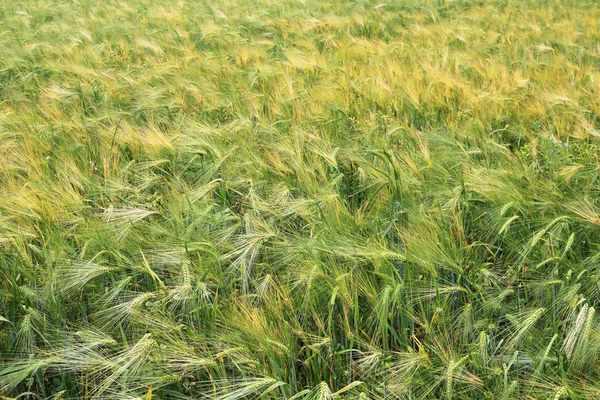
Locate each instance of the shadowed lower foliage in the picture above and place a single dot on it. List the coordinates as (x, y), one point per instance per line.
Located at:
(304, 200)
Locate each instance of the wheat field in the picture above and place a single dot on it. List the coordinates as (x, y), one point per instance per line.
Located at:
(299, 199)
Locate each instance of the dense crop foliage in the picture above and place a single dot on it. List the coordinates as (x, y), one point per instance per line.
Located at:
(292, 199)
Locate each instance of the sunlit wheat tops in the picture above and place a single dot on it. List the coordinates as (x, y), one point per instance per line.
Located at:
(299, 200)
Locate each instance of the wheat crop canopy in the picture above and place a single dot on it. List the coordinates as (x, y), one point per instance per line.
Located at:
(299, 200)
